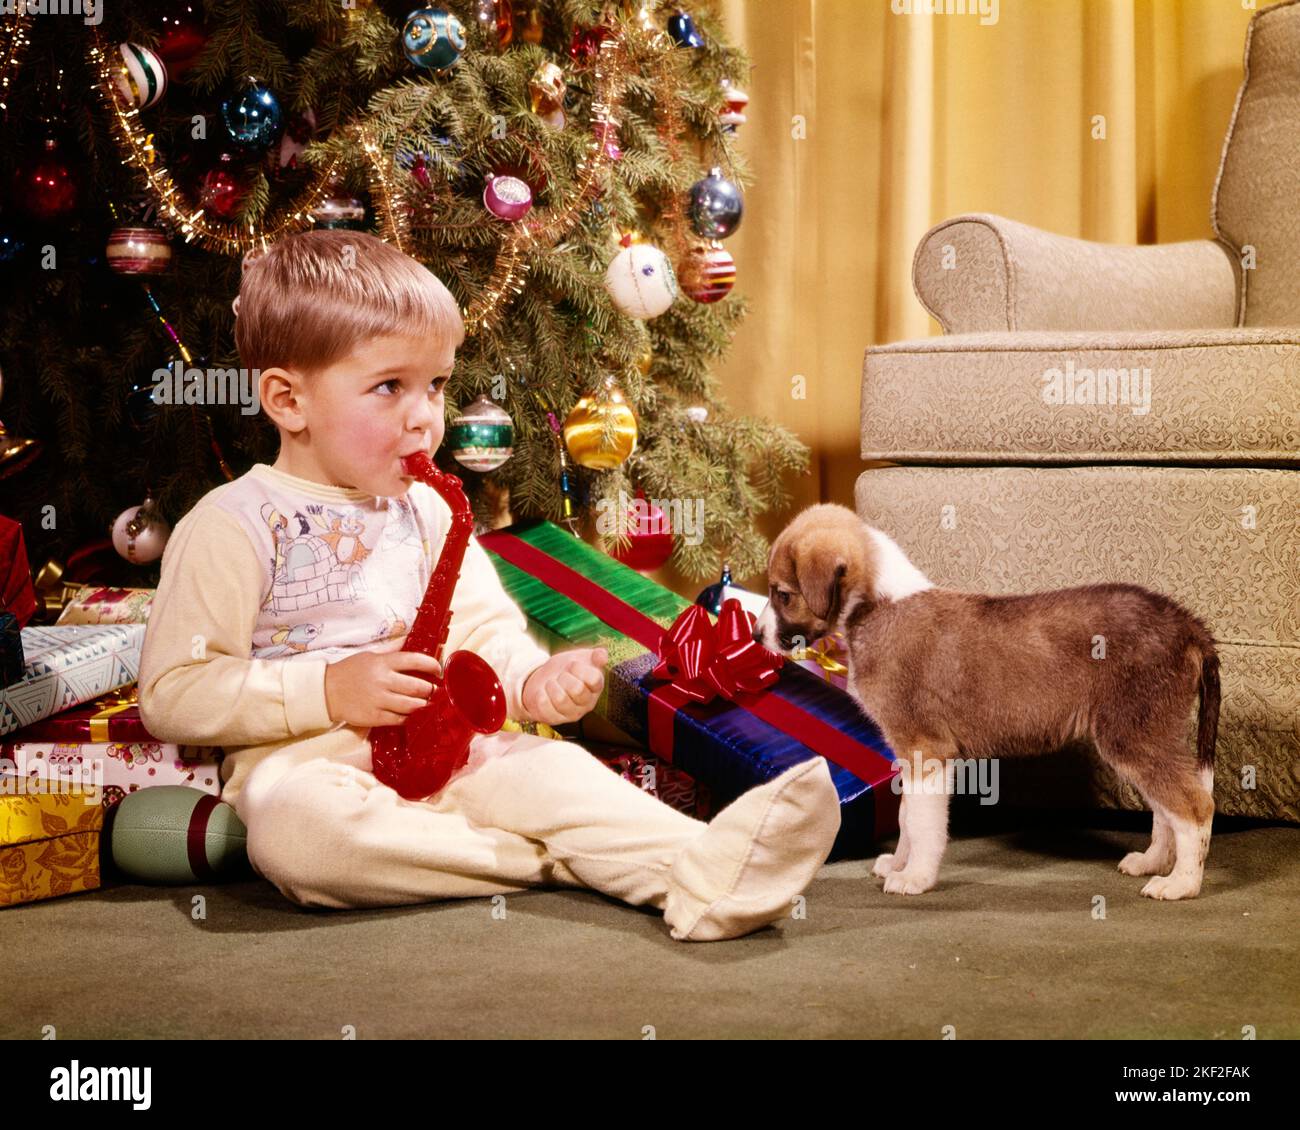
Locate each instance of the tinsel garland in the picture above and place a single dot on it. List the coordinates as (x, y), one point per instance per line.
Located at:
(393, 193)
(12, 51)
(173, 209)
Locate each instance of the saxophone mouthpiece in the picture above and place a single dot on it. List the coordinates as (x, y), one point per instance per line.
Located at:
(418, 464)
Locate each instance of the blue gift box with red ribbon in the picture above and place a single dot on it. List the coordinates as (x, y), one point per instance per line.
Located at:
(703, 696)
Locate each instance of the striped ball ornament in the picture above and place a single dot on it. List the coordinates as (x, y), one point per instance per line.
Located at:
(708, 272)
(142, 78)
(139, 251)
(481, 437)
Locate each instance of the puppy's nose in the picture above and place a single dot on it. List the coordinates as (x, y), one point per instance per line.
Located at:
(758, 634)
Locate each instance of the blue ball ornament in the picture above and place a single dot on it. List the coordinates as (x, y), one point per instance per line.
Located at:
(433, 38)
(682, 28)
(252, 116)
(715, 206)
(12, 244)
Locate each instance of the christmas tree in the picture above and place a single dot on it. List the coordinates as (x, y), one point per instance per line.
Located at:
(567, 168)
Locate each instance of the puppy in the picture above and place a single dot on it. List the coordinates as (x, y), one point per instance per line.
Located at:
(949, 674)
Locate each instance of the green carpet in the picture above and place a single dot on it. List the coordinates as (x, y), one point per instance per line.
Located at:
(1006, 946)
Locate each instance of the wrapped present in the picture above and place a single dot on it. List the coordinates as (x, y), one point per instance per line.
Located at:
(666, 782)
(11, 649)
(102, 604)
(537, 729)
(117, 768)
(49, 842)
(703, 697)
(112, 717)
(96, 563)
(17, 594)
(67, 665)
(827, 658)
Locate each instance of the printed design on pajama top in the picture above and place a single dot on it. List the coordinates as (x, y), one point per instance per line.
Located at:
(339, 574)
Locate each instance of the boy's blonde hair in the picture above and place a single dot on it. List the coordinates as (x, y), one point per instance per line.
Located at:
(312, 298)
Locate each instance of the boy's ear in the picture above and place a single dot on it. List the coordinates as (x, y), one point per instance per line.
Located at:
(280, 393)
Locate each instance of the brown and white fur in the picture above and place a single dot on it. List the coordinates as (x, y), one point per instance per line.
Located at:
(949, 674)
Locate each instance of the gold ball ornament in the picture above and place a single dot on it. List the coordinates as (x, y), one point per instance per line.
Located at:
(546, 95)
(588, 428)
(546, 89)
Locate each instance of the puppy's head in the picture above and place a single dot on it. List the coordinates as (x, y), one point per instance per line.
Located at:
(818, 560)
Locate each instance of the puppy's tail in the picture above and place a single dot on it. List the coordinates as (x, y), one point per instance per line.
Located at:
(1207, 721)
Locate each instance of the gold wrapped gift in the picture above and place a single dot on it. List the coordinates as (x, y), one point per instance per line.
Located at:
(49, 843)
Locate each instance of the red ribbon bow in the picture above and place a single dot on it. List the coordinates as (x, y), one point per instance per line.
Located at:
(704, 660)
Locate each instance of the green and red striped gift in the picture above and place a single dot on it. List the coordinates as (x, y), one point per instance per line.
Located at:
(702, 696)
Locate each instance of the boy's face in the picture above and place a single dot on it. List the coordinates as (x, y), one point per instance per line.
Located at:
(364, 413)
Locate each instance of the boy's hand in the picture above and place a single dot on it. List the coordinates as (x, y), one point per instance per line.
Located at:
(369, 689)
(566, 686)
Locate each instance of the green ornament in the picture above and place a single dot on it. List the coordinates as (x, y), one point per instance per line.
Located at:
(482, 436)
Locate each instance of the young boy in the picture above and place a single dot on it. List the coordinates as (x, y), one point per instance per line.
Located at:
(283, 602)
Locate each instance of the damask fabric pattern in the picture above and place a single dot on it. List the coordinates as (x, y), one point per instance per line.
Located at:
(1257, 193)
(982, 272)
(1193, 396)
(1223, 541)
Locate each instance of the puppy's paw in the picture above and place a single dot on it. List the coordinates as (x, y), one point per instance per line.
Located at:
(1138, 863)
(1172, 887)
(886, 865)
(909, 882)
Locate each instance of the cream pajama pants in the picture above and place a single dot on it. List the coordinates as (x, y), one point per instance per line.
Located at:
(524, 812)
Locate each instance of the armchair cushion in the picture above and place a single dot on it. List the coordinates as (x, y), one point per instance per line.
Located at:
(1187, 396)
(983, 272)
(1257, 193)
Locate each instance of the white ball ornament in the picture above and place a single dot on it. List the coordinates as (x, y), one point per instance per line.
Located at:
(140, 534)
(641, 281)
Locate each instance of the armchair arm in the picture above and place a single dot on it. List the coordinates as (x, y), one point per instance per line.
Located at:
(982, 272)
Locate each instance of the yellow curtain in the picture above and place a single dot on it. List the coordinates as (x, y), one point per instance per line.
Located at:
(866, 126)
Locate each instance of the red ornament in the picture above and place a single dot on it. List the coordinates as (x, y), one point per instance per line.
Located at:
(651, 534)
(586, 43)
(734, 101)
(503, 18)
(220, 192)
(45, 189)
(182, 39)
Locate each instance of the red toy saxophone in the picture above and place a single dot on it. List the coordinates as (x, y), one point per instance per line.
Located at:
(419, 756)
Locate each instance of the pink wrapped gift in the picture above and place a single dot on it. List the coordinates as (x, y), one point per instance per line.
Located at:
(125, 766)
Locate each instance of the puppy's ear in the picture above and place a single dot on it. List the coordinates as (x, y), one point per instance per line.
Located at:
(821, 581)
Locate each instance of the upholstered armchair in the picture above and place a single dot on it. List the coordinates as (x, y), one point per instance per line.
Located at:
(1103, 413)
